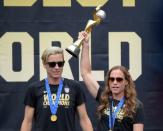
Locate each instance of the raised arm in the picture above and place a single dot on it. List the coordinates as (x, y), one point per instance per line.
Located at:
(88, 78)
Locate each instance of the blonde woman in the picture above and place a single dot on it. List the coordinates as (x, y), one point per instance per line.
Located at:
(51, 104)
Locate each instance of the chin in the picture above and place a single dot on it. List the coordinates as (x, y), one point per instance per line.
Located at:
(56, 76)
(116, 92)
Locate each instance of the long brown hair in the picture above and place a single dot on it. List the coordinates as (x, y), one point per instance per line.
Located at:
(129, 93)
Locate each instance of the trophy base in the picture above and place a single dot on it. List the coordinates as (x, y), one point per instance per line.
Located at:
(74, 53)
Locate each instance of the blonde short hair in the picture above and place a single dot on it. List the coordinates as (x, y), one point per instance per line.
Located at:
(51, 51)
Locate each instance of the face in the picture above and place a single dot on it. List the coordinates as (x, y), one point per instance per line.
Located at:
(54, 66)
(117, 83)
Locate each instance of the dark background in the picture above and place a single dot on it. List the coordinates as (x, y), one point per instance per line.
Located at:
(145, 19)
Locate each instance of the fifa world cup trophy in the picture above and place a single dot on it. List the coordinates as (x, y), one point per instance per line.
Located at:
(98, 16)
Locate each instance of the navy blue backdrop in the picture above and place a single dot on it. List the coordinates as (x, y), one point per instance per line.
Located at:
(24, 31)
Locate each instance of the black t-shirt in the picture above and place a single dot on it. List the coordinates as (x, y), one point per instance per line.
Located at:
(122, 122)
(71, 97)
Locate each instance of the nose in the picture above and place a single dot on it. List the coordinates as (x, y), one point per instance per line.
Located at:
(115, 81)
(56, 66)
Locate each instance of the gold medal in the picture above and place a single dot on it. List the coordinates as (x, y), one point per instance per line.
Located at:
(53, 118)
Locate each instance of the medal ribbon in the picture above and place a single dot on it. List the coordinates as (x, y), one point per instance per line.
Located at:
(112, 119)
(53, 105)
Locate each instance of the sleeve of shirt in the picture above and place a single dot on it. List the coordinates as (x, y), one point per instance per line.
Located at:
(80, 97)
(139, 116)
(30, 98)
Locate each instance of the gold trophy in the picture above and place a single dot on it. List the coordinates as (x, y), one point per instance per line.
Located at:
(98, 16)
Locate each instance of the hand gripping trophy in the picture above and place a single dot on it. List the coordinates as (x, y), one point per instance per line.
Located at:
(98, 16)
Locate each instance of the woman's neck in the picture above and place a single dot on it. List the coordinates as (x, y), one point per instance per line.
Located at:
(54, 81)
(118, 96)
